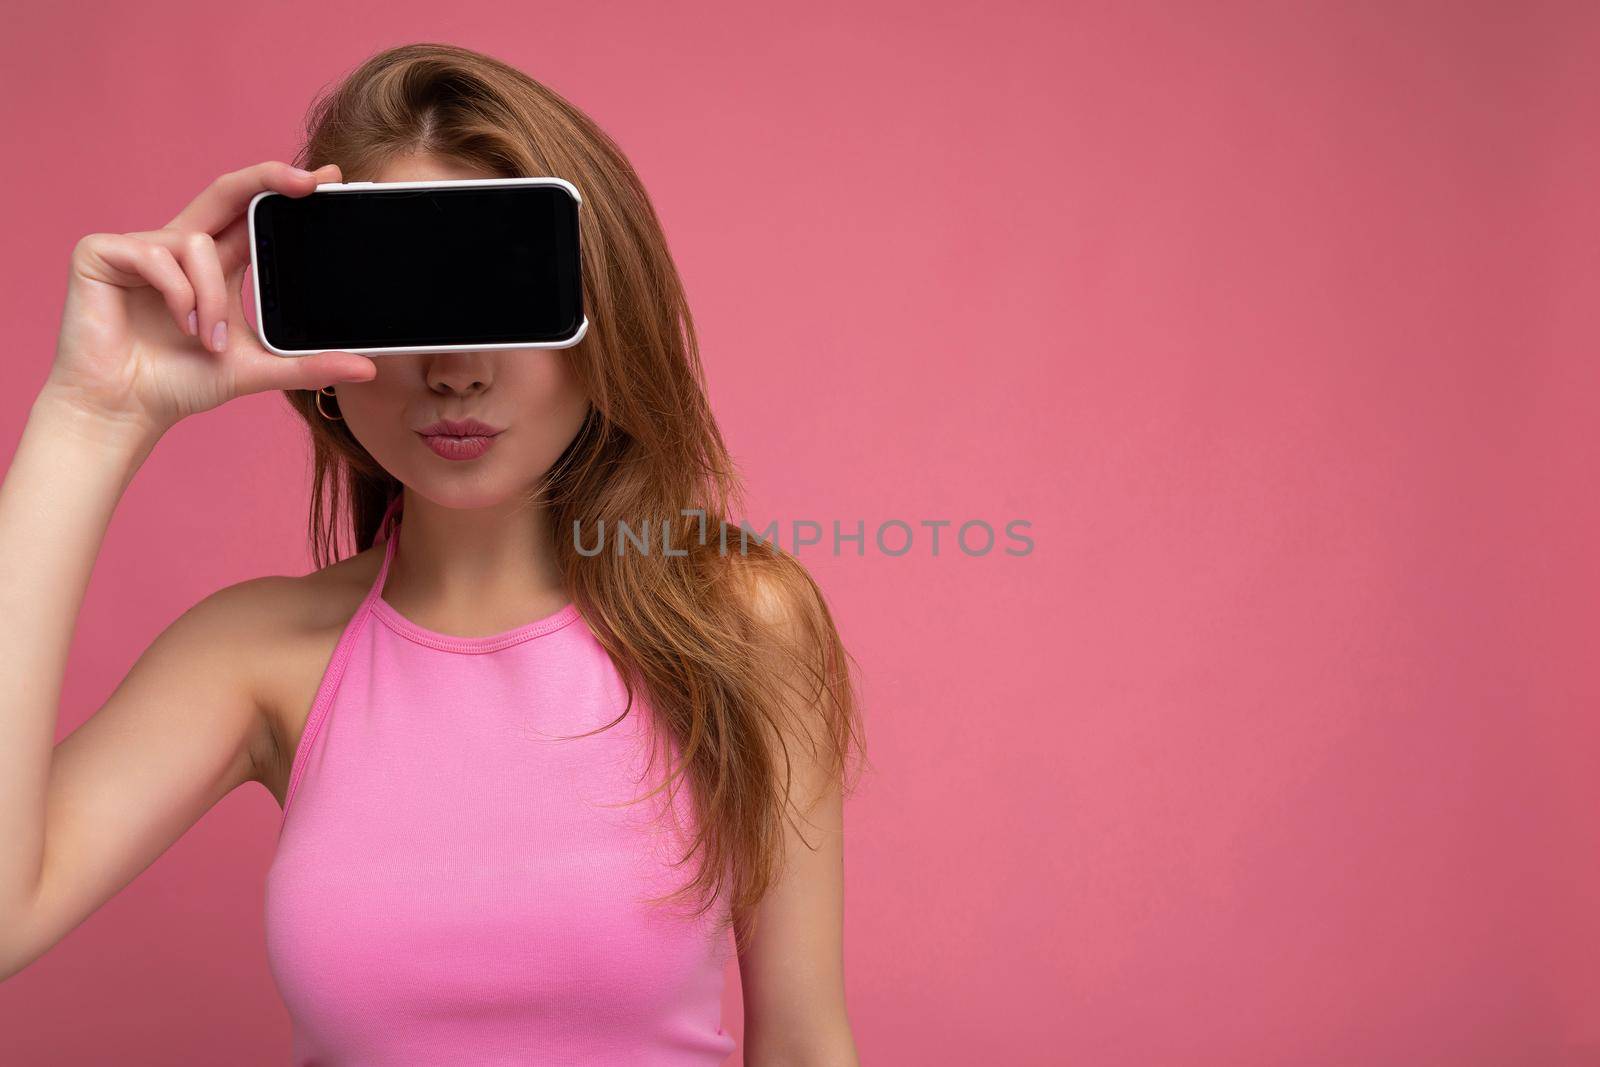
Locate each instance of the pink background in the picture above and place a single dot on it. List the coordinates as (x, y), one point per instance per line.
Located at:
(1277, 321)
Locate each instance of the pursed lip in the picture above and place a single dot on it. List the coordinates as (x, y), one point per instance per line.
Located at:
(459, 428)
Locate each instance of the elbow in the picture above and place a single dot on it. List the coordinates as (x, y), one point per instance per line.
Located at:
(18, 944)
(12, 959)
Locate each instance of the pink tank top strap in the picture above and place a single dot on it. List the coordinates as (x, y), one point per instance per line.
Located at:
(391, 515)
(341, 653)
(385, 536)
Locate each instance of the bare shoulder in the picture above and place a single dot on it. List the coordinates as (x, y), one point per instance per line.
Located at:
(790, 629)
(783, 600)
(797, 639)
(284, 629)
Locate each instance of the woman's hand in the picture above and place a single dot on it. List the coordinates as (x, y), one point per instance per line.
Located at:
(153, 328)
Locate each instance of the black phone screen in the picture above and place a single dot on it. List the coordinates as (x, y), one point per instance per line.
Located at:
(377, 268)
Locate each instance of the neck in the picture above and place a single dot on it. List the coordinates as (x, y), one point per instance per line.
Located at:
(474, 569)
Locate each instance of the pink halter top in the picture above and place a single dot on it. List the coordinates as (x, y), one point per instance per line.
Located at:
(449, 886)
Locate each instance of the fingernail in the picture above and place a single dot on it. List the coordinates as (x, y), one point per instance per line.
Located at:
(194, 324)
(219, 336)
(301, 173)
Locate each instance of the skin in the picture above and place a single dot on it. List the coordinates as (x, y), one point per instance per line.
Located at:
(478, 559)
(220, 698)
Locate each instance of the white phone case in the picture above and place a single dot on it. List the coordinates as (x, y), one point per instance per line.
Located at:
(344, 187)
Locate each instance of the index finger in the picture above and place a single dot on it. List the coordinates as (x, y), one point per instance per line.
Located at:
(232, 192)
(226, 198)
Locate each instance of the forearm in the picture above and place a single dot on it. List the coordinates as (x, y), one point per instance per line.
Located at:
(819, 1040)
(69, 471)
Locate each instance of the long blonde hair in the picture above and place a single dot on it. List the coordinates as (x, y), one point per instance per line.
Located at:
(733, 683)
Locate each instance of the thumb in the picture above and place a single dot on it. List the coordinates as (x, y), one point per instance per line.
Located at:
(272, 371)
(332, 368)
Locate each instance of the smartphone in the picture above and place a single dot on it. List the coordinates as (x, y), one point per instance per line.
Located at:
(426, 266)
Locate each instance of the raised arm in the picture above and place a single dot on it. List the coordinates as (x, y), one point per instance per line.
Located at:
(153, 330)
(79, 820)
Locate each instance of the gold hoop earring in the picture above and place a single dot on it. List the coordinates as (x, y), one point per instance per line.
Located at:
(327, 390)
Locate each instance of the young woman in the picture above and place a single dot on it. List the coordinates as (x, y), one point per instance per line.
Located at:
(530, 793)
